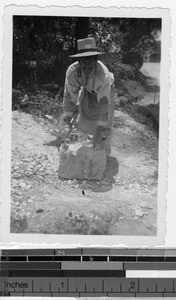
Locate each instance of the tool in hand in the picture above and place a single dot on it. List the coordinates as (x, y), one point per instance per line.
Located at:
(70, 123)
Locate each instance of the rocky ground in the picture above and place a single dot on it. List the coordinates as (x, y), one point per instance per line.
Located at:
(123, 203)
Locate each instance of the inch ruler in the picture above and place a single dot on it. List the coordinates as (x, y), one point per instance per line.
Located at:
(88, 272)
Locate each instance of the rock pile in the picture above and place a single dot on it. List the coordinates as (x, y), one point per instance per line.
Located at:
(129, 81)
(127, 86)
(30, 165)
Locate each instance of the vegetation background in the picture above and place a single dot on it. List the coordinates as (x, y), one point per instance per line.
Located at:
(42, 45)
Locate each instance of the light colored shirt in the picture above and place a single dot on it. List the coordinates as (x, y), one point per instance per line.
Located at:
(99, 81)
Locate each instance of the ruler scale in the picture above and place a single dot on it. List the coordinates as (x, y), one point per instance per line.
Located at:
(88, 272)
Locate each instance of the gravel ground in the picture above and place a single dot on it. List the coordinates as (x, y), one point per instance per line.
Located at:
(123, 203)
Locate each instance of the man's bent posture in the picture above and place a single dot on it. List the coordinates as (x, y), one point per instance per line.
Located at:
(89, 85)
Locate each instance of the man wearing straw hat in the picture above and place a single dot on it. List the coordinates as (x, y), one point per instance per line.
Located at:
(89, 85)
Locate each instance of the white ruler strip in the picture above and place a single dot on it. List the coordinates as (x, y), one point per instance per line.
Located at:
(150, 274)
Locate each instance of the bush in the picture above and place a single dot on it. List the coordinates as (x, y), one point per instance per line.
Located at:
(40, 103)
(133, 58)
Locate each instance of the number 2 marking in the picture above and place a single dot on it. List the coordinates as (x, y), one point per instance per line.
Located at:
(132, 285)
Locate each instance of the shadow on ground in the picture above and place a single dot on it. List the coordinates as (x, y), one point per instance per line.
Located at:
(112, 167)
(106, 184)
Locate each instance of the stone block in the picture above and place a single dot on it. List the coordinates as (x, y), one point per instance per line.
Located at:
(81, 162)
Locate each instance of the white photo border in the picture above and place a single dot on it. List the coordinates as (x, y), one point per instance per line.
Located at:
(79, 240)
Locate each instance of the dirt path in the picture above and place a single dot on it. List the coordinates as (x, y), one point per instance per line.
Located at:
(123, 203)
(152, 72)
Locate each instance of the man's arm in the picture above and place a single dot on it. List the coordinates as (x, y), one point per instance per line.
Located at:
(68, 104)
(71, 92)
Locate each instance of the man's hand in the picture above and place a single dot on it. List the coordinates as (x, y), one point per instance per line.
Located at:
(67, 119)
(97, 138)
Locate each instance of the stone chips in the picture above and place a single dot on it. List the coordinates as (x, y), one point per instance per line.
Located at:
(81, 162)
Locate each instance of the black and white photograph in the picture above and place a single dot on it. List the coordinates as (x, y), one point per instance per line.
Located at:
(88, 124)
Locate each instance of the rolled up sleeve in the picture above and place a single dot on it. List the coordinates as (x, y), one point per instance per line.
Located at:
(71, 91)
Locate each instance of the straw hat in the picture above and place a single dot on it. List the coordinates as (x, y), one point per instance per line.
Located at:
(86, 47)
